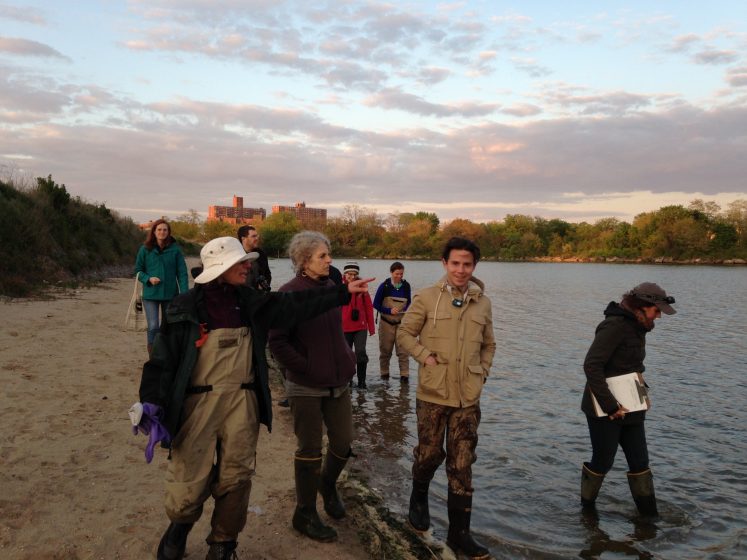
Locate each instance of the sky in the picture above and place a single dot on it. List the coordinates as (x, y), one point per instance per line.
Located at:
(475, 109)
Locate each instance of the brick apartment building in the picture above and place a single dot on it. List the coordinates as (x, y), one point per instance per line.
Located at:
(305, 215)
(236, 214)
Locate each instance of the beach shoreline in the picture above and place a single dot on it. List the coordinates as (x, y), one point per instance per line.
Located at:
(77, 483)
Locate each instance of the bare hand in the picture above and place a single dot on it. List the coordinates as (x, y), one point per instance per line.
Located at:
(359, 286)
(154, 280)
(619, 413)
(431, 360)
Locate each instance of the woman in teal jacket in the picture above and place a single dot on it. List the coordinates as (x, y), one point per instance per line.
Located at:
(160, 266)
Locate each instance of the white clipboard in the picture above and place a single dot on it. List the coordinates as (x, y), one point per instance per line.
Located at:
(629, 390)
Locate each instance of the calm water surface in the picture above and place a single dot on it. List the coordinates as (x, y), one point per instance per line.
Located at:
(533, 437)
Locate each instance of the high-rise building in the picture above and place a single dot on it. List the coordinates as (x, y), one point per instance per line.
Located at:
(236, 214)
(305, 215)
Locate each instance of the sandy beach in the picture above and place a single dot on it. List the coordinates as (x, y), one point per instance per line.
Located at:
(75, 481)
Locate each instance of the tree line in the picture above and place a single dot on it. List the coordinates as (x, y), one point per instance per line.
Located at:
(51, 239)
(702, 230)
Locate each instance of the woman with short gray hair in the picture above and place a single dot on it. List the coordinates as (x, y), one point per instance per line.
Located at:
(302, 247)
(319, 366)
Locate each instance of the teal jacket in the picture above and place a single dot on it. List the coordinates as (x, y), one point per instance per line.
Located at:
(167, 375)
(168, 265)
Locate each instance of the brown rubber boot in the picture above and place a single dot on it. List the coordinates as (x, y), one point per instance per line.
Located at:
(642, 487)
(591, 482)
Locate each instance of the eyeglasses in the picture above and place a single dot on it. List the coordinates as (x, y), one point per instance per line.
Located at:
(653, 298)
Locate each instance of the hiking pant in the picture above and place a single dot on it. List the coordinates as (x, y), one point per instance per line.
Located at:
(311, 414)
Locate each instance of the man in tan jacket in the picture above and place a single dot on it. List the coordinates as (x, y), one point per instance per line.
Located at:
(448, 329)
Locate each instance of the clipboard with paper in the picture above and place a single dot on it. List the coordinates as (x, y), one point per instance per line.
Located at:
(629, 390)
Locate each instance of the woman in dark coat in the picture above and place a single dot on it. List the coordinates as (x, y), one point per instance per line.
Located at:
(319, 365)
(619, 348)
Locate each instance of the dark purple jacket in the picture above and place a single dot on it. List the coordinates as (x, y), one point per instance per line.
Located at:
(314, 352)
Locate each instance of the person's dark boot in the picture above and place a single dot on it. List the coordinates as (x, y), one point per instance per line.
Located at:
(331, 470)
(591, 482)
(361, 369)
(306, 519)
(642, 487)
(222, 551)
(174, 541)
(419, 515)
(459, 537)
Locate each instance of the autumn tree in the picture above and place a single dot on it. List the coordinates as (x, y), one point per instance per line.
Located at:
(277, 231)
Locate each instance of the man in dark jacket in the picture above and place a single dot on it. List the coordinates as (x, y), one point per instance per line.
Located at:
(260, 276)
(209, 374)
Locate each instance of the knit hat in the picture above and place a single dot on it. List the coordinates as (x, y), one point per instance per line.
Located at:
(351, 266)
(653, 293)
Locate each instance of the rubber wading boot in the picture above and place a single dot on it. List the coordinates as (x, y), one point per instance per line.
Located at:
(419, 516)
(459, 538)
(361, 369)
(591, 482)
(306, 519)
(331, 470)
(222, 551)
(642, 487)
(174, 541)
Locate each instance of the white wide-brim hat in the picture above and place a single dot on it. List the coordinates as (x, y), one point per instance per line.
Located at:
(220, 254)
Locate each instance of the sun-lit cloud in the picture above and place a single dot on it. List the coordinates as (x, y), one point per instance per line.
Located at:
(468, 109)
(25, 47)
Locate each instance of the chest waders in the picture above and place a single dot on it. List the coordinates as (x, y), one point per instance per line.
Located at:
(214, 452)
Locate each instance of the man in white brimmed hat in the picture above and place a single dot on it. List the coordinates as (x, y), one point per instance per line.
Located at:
(208, 372)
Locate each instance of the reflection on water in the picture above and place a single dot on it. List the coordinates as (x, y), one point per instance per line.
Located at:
(533, 437)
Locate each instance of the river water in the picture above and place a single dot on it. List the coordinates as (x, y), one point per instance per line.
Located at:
(533, 437)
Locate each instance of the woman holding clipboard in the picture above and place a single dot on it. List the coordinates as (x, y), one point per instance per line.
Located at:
(619, 349)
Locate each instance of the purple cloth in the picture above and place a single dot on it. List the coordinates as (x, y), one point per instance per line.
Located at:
(150, 425)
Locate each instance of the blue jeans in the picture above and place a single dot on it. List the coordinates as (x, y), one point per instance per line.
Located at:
(605, 436)
(152, 316)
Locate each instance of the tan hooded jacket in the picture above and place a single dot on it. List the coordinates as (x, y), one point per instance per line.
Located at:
(460, 338)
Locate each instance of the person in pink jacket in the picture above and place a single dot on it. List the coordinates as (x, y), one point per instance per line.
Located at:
(357, 318)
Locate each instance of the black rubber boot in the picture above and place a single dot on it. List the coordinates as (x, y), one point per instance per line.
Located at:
(459, 538)
(642, 487)
(331, 470)
(306, 519)
(361, 369)
(222, 551)
(591, 482)
(174, 541)
(419, 515)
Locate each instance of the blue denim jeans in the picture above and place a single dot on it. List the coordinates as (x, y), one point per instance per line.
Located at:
(152, 316)
(606, 435)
